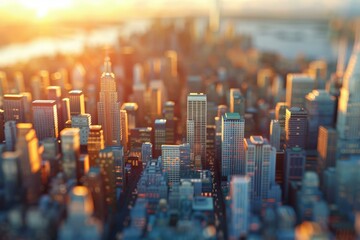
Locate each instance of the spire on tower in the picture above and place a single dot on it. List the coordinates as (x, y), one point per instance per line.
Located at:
(107, 65)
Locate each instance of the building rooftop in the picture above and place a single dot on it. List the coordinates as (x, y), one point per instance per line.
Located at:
(202, 204)
(257, 139)
(232, 116)
(12, 96)
(43, 102)
(75, 92)
(129, 106)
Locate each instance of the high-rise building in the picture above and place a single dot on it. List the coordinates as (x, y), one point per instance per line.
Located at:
(275, 133)
(2, 126)
(296, 127)
(185, 161)
(10, 135)
(260, 167)
(70, 146)
(95, 143)
(146, 152)
(45, 119)
(131, 110)
(320, 106)
(232, 145)
(326, 148)
(171, 121)
(240, 206)
(196, 127)
(264, 82)
(11, 176)
(54, 93)
(159, 136)
(237, 101)
(124, 129)
(14, 108)
(109, 107)
(65, 111)
(30, 161)
(79, 223)
(280, 115)
(297, 87)
(294, 167)
(83, 122)
(348, 124)
(171, 161)
(77, 102)
(138, 136)
(19, 82)
(3, 86)
(107, 167)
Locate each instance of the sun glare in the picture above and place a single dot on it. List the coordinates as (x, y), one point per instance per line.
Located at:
(43, 7)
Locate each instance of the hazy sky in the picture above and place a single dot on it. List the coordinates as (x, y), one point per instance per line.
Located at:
(119, 8)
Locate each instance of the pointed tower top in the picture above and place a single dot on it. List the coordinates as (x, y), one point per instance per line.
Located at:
(107, 65)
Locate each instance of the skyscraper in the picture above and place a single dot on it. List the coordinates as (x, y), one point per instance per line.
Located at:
(146, 152)
(280, 115)
(54, 93)
(294, 167)
(45, 119)
(232, 145)
(70, 146)
(196, 127)
(10, 135)
(240, 206)
(124, 129)
(95, 143)
(237, 101)
(131, 110)
(77, 102)
(275, 134)
(160, 136)
(320, 106)
(348, 124)
(171, 161)
(108, 106)
(107, 167)
(297, 86)
(260, 157)
(327, 148)
(82, 122)
(30, 161)
(296, 127)
(14, 108)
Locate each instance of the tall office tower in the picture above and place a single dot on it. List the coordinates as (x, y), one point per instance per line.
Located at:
(320, 106)
(2, 126)
(318, 71)
(27, 106)
(275, 133)
(10, 135)
(30, 161)
(95, 184)
(170, 155)
(83, 122)
(70, 146)
(51, 154)
(155, 103)
(308, 197)
(124, 129)
(10, 164)
(171, 121)
(240, 206)
(45, 119)
(196, 127)
(107, 169)
(159, 136)
(260, 157)
(95, 143)
(280, 115)
(185, 161)
(264, 82)
(19, 82)
(65, 110)
(79, 223)
(91, 101)
(78, 76)
(119, 162)
(297, 86)
(347, 190)
(221, 110)
(54, 93)
(77, 102)
(146, 152)
(327, 144)
(131, 110)
(108, 106)
(237, 101)
(14, 108)
(348, 124)
(294, 167)
(232, 145)
(278, 89)
(296, 127)
(138, 136)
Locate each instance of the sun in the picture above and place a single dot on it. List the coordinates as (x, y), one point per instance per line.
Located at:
(43, 7)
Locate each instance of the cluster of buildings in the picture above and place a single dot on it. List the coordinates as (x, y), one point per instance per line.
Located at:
(160, 159)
